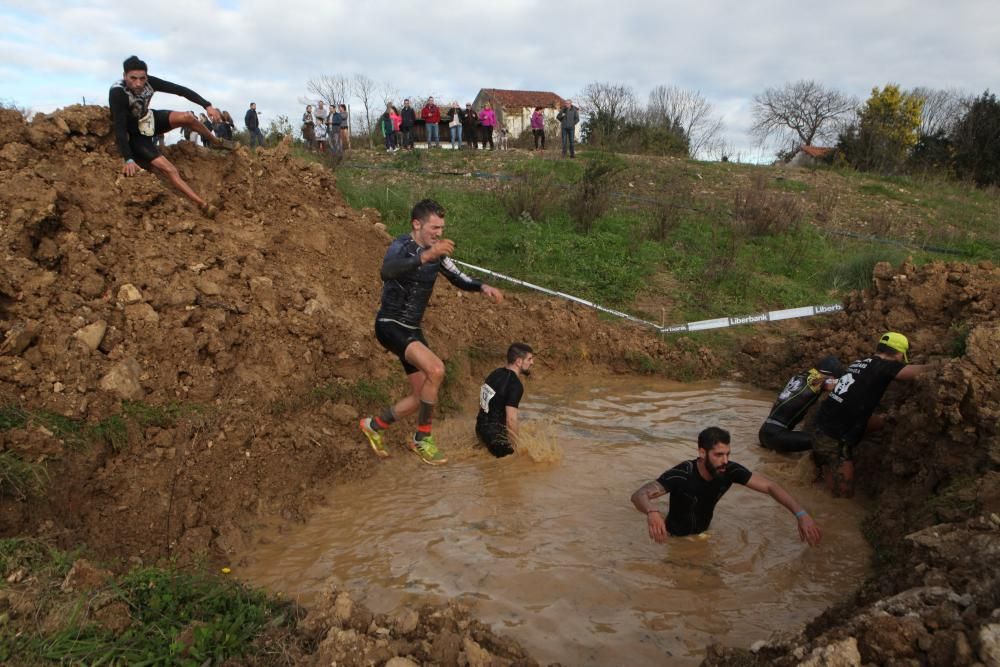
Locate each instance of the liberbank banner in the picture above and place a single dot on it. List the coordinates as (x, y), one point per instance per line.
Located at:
(770, 316)
(718, 323)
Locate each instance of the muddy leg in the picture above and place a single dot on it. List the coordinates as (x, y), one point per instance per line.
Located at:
(163, 168)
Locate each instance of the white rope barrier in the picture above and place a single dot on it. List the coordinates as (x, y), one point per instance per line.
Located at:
(700, 325)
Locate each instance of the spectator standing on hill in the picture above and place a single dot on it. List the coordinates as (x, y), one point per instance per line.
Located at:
(488, 120)
(469, 122)
(408, 121)
(397, 122)
(319, 130)
(224, 129)
(568, 118)
(538, 128)
(385, 124)
(252, 123)
(135, 125)
(309, 127)
(432, 117)
(206, 141)
(410, 269)
(345, 128)
(455, 115)
(320, 113)
(337, 120)
(846, 414)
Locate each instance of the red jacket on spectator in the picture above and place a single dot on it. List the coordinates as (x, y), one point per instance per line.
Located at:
(430, 113)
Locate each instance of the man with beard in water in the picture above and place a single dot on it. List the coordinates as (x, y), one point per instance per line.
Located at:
(499, 397)
(697, 485)
(136, 125)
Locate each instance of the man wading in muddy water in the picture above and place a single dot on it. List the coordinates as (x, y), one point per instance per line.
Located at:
(499, 397)
(696, 486)
(846, 414)
(136, 125)
(409, 270)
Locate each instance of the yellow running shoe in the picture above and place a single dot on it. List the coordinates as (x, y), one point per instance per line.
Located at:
(374, 438)
(427, 451)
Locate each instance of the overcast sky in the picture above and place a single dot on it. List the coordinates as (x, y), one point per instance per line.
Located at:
(231, 51)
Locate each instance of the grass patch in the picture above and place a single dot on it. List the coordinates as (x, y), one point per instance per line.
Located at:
(35, 557)
(676, 218)
(176, 618)
(363, 393)
(20, 478)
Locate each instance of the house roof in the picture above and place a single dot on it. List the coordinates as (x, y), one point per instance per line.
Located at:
(522, 98)
(816, 151)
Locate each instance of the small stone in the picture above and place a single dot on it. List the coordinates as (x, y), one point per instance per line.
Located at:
(406, 621)
(92, 334)
(989, 644)
(476, 654)
(400, 661)
(19, 337)
(58, 387)
(129, 294)
(208, 288)
(343, 607)
(123, 380)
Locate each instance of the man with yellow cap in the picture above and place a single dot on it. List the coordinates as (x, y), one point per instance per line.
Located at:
(846, 414)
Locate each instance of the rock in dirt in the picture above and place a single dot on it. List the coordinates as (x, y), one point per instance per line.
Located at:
(128, 294)
(123, 380)
(19, 337)
(92, 334)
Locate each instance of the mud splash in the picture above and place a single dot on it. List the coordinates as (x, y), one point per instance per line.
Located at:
(553, 554)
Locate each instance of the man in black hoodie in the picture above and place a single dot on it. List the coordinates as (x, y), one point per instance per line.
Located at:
(135, 125)
(409, 119)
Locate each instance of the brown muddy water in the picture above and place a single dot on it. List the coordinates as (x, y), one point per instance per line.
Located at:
(553, 554)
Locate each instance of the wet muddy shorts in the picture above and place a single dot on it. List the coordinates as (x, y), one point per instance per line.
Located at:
(830, 451)
(144, 149)
(496, 441)
(395, 338)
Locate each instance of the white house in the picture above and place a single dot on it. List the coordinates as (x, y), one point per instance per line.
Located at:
(514, 108)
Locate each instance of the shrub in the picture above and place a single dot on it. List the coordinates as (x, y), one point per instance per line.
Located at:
(592, 197)
(668, 209)
(761, 212)
(528, 198)
(19, 478)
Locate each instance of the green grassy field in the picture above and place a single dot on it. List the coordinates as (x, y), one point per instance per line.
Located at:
(676, 241)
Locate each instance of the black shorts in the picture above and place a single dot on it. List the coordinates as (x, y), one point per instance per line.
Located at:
(396, 338)
(144, 149)
(782, 439)
(830, 451)
(496, 441)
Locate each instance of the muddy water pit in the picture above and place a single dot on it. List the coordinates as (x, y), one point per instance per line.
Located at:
(552, 552)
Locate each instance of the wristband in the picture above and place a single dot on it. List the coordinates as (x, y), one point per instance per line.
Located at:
(130, 161)
(801, 513)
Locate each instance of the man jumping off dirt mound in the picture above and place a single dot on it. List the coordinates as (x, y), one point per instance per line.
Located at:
(136, 125)
(409, 270)
(696, 486)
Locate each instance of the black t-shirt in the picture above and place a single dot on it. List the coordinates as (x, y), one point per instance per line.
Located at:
(800, 392)
(693, 498)
(502, 388)
(845, 412)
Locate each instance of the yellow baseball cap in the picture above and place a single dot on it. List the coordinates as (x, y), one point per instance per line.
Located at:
(896, 341)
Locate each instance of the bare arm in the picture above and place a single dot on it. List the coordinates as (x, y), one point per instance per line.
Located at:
(513, 426)
(642, 499)
(911, 371)
(808, 530)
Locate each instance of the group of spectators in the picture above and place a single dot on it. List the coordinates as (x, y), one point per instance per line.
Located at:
(326, 128)
(323, 130)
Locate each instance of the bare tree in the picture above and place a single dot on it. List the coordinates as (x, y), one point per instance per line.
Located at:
(799, 113)
(332, 89)
(366, 91)
(607, 106)
(941, 109)
(670, 106)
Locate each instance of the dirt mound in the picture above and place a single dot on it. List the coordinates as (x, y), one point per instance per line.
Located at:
(935, 472)
(182, 376)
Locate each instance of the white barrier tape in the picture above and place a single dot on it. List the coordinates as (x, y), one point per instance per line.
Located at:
(701, 325)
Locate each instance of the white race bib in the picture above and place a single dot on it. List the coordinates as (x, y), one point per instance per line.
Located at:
(486, 394)
(147, 124)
